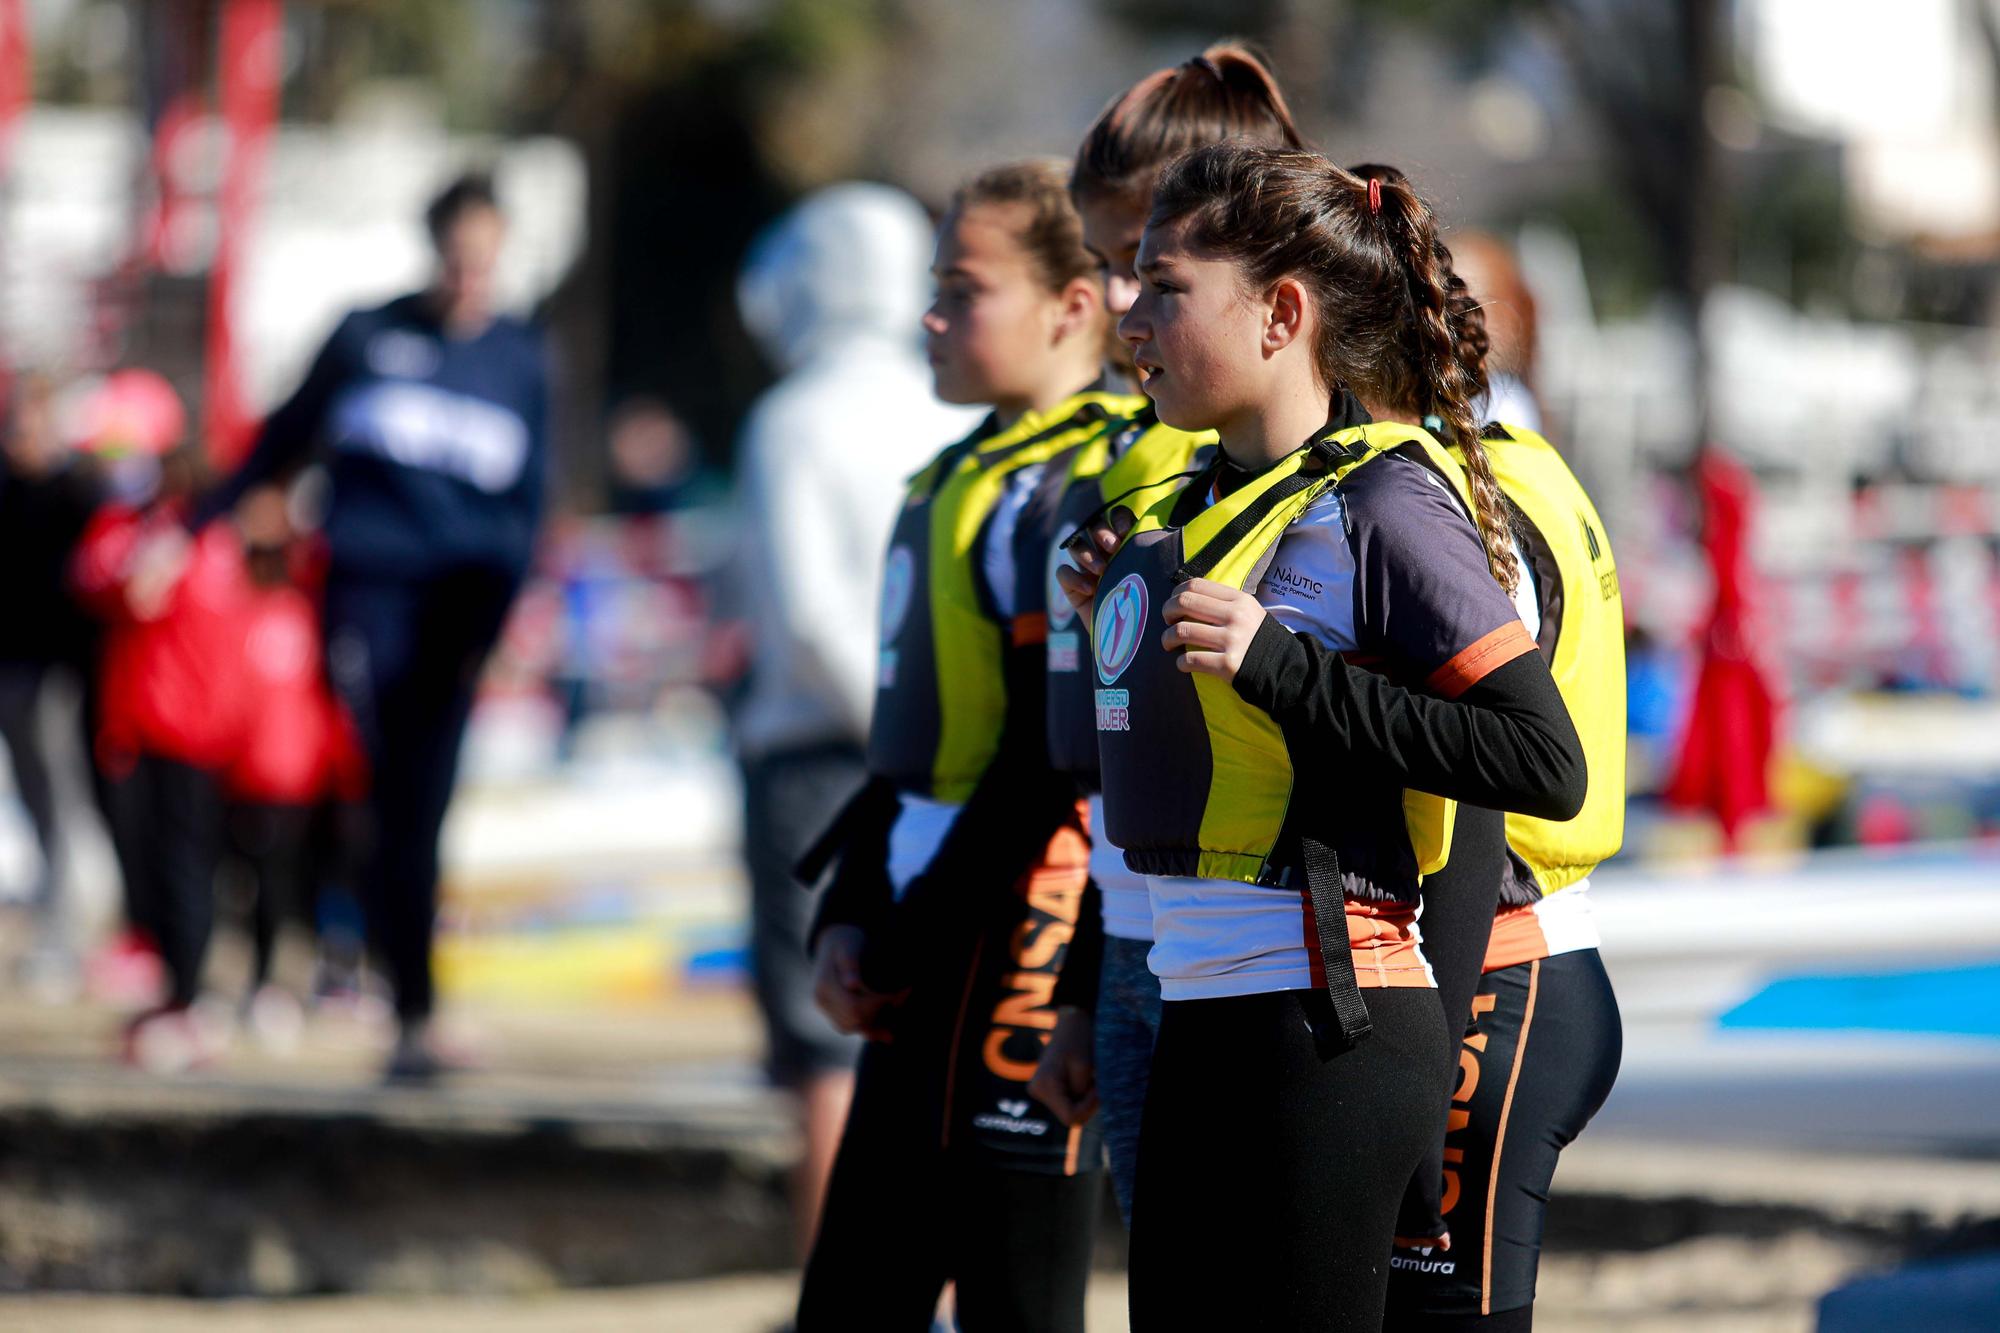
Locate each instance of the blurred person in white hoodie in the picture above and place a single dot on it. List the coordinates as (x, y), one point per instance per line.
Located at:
(833, 292)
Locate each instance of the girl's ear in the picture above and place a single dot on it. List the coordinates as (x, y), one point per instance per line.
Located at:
(1079, 308)
(1286, 308)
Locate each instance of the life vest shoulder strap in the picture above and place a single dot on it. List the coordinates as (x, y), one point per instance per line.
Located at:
(1326, 462)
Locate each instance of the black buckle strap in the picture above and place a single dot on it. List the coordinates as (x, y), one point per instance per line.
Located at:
(869, 802)
(1188, 504)
(1082, 533)
(1323, 456)
(1351, 1025)
(1222, 543)
(1326, 454)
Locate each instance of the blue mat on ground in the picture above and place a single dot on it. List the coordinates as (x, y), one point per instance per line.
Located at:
(1963, 1001)
(1943, 1296)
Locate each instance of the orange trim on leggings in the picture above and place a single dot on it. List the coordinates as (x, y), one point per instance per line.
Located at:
(1500, 1138)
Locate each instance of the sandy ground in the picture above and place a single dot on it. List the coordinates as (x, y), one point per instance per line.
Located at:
(760, 1304)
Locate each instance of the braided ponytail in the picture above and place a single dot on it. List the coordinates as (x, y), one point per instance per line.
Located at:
(1450, 344)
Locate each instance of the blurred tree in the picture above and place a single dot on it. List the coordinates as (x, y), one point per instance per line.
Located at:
(1645, 71)
(698, 122)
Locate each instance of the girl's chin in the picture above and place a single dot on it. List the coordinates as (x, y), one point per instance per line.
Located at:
(1168, 406)
(952, 386)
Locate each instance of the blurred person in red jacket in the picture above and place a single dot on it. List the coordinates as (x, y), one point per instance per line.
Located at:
(171, 718)
(298, 761)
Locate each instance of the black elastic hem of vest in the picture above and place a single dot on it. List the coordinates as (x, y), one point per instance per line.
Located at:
(1185, 863)
(1285, 875)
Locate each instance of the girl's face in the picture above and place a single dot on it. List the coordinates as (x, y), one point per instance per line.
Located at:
(993, 329)
(1112, 226)
(1196, 335)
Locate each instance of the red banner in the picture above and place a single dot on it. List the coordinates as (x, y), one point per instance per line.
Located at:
(252, 58)
(1725, 757)
(17, 74)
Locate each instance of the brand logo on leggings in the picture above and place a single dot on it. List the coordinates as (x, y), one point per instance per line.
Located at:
(1121, 619)
(1013, 1118)
(899, 579)
(1418, 1260)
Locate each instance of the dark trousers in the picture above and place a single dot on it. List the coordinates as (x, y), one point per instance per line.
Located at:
(1269, 1178)
(275, 843)
(1540, 1059)
(167, 827)
(405, 656)
(20, 688)
(788, 798)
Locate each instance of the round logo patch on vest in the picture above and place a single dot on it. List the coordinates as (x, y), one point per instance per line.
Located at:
(898, 579)
(1060, 611)
(1121, 619)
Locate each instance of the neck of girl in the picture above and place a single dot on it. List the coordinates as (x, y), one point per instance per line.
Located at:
(1052, 391)
(1281, 422)
(1274, 429)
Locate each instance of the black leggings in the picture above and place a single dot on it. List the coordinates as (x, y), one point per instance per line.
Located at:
(1539, 1061)
(276, 846)
(1269, 1179)
(905, 1214)
(405, 656)
(20, 687)
(167, 828)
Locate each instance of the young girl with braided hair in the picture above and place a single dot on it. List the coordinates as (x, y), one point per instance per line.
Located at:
(1288, 655)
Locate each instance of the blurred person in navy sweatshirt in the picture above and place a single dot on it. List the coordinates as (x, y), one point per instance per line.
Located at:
(430, 413)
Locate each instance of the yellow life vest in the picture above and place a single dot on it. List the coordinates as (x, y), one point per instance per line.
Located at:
(1157, 461)
(1583, 636)
(1202, 784)
(941, 694)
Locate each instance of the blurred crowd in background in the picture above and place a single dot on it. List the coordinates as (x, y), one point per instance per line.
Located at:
(1747, 226)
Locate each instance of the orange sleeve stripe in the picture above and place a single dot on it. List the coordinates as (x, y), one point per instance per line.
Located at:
(1031, 629)
(1475, 662)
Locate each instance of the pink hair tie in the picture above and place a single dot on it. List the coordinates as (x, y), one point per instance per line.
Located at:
(1374, 196)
